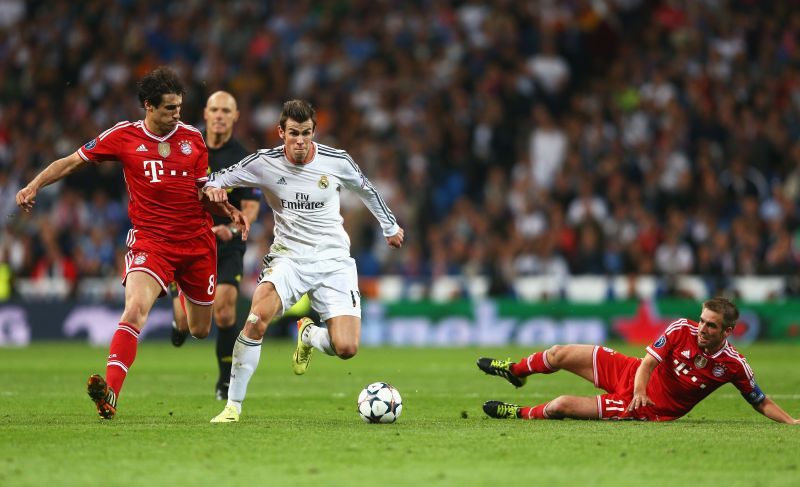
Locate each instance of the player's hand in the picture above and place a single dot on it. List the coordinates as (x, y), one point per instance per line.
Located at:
(217, 195)
(223, 232)
(241, 223)
(396, 240)
(26, 198)
(639, 401)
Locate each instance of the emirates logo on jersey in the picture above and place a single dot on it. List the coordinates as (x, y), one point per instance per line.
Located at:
(185, 146)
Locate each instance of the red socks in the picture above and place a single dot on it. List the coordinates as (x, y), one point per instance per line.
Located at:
(534, 364)
(535, 412)
(121, 355)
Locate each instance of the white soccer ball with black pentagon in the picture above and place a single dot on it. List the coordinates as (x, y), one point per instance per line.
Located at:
(379, 402)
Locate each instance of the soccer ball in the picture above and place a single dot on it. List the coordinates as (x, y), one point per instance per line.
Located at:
(379, 402)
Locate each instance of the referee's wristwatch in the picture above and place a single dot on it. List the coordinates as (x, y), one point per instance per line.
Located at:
(234, 229)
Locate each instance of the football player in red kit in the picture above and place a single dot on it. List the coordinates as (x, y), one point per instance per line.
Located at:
(683, 366)
(165, 162)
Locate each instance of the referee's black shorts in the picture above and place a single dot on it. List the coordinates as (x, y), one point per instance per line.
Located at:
(230, 263)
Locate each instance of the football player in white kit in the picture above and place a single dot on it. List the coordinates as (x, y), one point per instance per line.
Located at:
(301, 180)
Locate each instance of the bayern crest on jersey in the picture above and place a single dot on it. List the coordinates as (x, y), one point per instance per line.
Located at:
(139, 259)
(185, 146)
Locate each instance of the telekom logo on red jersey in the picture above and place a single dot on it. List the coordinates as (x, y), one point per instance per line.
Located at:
(152, 172)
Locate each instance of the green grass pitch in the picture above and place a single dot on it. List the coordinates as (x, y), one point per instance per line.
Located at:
(306, 431)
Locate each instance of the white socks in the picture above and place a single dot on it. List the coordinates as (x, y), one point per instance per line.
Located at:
(246, 353)
(319, 338)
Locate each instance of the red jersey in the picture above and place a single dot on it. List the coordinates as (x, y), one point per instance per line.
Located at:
(685, 375)
(162, 175)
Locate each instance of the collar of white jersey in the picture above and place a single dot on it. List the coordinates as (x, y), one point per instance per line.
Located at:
(313, 147)
(154, 136)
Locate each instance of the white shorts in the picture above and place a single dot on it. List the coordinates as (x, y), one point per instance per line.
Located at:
(332, 285)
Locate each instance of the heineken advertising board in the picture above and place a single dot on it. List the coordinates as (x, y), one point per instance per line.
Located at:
(454, 324)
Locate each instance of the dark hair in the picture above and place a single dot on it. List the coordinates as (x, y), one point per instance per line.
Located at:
(299, 111)
(161, 81)
(728, 310)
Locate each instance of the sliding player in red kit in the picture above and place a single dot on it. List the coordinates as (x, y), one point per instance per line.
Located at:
(165, 162)
(682, 367)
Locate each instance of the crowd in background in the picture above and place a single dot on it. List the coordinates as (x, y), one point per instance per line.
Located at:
(510, 138)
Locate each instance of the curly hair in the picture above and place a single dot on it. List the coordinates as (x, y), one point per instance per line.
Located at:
(299, 111)
(161, 81)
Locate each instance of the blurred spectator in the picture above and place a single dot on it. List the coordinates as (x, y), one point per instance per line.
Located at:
(509, 137)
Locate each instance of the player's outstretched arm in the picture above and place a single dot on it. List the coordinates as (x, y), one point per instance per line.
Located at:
(26, 197)
(770, 409)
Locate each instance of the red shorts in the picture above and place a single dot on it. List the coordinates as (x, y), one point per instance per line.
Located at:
(191, 263)
(615, 372)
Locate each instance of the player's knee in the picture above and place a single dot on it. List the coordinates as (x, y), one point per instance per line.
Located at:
(558, 407)
(346, 351)
(224, 316)
(554, 355)
(199, 333)
(135, 314)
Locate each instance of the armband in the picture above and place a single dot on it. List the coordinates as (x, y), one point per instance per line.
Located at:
(756, 396)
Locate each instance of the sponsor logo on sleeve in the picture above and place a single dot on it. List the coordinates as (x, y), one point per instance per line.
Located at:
(90, 145)
(662, 340)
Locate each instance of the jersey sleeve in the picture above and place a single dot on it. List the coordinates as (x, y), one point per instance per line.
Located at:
(244, 173)
(664, 344)
(745, 381)
(201, 164)
(104, 147)
(353, 179)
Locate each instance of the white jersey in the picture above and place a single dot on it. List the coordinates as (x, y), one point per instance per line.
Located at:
(305, 199)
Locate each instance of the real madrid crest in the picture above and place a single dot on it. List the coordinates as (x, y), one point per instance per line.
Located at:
(164, 149)
(323, 182)
(700, 361)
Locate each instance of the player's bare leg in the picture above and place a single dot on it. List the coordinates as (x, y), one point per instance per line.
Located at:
(345, 333)
(199, 319)
(340, 338)
(247, 350)
(225, 318)
(141, 291)
(575, 407)
(573, 358)
(180, 324)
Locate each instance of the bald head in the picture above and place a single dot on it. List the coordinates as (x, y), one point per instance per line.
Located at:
(220, 114)
(221, 98)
